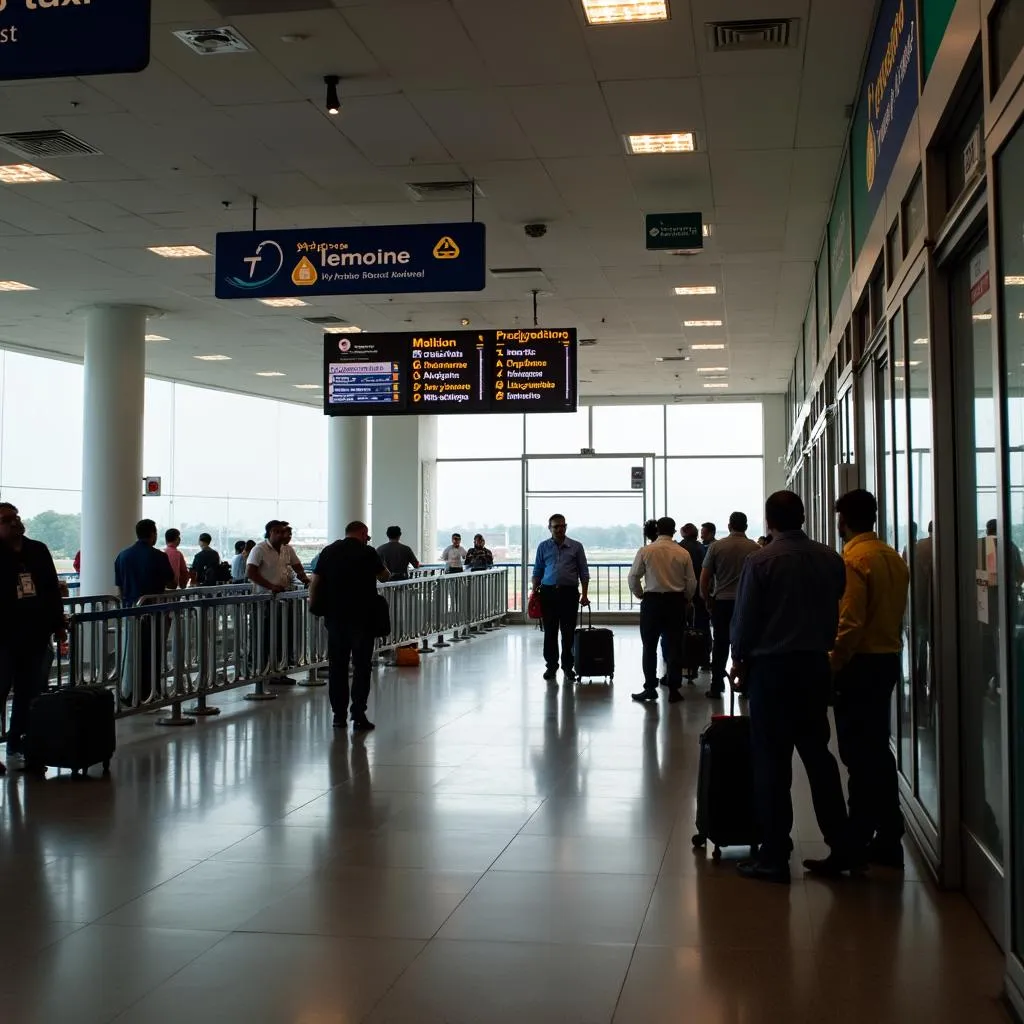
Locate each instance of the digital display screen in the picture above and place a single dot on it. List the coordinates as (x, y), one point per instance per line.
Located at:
(438, 372)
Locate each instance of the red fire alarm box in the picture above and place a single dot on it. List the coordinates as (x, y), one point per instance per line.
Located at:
(151, 487)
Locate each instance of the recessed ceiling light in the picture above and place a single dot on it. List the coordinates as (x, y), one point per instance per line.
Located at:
(284, 303)
(16, 286)
(350, 329)
(1012, 280)
(25, 174)
(716, 385)
(700, 289)
(308, 387)
(702, 323)
(712, 369)
(213, 358)
(270, 373)
(667, 142)
(156, 337)
(618, 12)
(711, 346)
(178, 252)
(981, 316)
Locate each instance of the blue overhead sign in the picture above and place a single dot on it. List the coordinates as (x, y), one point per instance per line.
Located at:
(61, 38)
(351, 261)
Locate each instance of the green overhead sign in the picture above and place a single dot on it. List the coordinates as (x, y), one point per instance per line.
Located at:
(674, 231)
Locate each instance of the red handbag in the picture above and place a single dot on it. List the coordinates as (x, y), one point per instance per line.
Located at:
(533, 609)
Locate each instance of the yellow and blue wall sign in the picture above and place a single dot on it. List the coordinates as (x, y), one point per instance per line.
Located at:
(61, 38)
(351, 261)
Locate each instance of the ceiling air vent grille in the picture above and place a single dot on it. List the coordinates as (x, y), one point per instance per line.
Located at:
(441, 191)
(756, 34)
(514, 271)
(324, 321)
(48, 143)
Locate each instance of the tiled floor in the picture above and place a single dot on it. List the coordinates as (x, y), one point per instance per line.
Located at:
(495, 852)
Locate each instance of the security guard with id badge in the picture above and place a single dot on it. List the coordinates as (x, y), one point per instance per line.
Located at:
(31, 614)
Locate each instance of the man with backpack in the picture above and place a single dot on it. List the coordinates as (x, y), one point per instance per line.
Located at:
(206, 564)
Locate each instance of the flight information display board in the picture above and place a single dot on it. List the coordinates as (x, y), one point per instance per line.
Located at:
(432, 373)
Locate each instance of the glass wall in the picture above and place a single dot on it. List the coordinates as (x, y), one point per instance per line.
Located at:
(228, 462)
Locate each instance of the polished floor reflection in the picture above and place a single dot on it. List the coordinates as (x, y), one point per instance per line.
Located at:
(495, 852)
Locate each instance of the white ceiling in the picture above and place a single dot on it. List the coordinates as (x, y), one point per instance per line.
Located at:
(521, 95)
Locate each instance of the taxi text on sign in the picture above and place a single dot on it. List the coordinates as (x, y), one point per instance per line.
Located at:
(351, 261)
(61, 38)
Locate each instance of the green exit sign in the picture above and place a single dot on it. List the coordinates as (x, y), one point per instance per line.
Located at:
(676, 231)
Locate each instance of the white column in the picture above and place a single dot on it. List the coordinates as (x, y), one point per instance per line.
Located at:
(401, 446)
(346, 473)
(114, 399)
(774, 411)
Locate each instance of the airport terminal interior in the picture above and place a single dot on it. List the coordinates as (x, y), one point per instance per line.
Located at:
(269, 268)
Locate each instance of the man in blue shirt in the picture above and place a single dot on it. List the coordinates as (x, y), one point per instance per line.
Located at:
(559, 574)
(785, 623)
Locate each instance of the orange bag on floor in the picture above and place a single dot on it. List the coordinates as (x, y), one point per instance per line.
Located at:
(407, 657)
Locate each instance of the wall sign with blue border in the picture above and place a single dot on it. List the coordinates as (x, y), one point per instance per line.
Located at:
(64, 38)
(351, 261)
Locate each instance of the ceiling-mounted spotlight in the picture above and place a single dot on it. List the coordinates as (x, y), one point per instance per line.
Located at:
(333, 102)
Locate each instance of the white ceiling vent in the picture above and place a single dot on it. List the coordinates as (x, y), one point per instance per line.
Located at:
(442, 191)
(48, 143)
(210, 41)
(756, 34)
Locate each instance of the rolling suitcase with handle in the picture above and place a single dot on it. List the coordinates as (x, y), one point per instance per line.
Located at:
(72, 728)
(725, 785)
(593, 651)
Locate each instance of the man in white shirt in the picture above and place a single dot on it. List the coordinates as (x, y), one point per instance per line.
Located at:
(272, 562)
(663, 579)
(454, 556)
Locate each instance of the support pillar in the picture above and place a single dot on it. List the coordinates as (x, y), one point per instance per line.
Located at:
(114, 407)
(404, 461)
(775, 438)
(346, 473)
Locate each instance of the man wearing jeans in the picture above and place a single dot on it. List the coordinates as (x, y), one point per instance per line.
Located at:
(562, 578)
(866, 668)
(719, 579)
(787, 613)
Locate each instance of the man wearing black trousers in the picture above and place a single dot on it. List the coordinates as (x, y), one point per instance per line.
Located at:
(344, 590)
(787, 613)
(561, 577)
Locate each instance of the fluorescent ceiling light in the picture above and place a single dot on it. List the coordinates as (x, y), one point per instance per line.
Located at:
(619, 12)
(920, 341)
(702, 323)
(899, 378)
(981, 316)
(712, 369)
(213, 359)
(699, 289)
(308, 387)
(25, 174)
(16, 286)
(284, 303)
(913, 362)
(156, 337)
(270, 373)
(710, 346)
(667, 142)
(351, 329)
(716, 385)
(178, 252)
(1013, 279)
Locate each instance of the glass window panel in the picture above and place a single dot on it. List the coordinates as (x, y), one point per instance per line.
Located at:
(1007, 39)
(709, 490)
(719, 428)
(301, 453)
(921, 550)
(629, 428)
(563, 476)
(479, 437)
(558, 433)
(913, 213)
(480, 497)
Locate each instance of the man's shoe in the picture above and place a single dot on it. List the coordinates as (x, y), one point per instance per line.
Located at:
(675, 697)
(552, 673)
(885, 855)
(340, 722)
(833, 866)
(570, 675)
(15, 761)
(646, 697)
(362, 724)
(762, 872)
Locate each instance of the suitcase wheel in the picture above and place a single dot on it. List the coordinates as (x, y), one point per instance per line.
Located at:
(699, 841)
(716, 853)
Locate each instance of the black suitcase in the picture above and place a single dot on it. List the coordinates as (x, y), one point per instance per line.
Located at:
(725, 786)
(593, 652)
(695, 646)
(72, 728)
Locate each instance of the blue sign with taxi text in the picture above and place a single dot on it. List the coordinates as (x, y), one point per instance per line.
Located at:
(61, 38)
(351, 261)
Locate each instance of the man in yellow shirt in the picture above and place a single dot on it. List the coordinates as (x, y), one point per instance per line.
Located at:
(866, 668)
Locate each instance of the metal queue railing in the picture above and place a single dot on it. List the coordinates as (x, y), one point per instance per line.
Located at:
(191, 645)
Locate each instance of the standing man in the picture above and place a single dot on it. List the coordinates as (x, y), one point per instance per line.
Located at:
(31, 613)
(707, 535)
(662, 578)
(719, 579)
(701, 618)
(479, 556)
(787, 613)
(172, 540)
(454, 556)
(344, 590)
(205, 563)
(397, 557)
(238, 562)
(866, 669)
(272, 562)
(560, 573)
